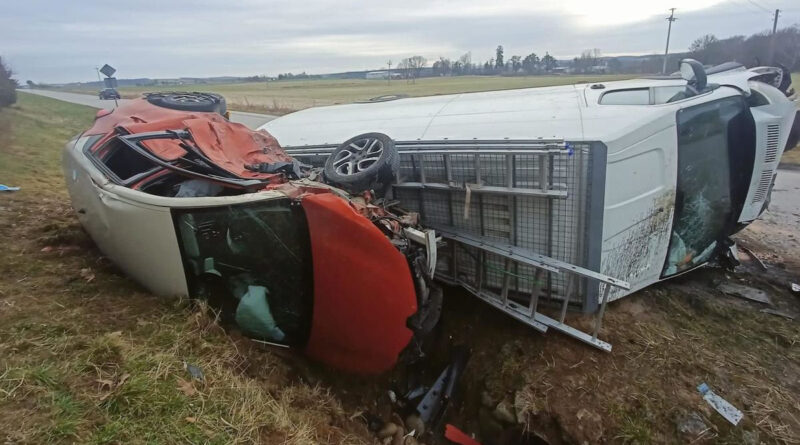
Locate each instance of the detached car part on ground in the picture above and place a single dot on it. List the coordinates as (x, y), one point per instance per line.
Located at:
(190, 203)
(574, 196)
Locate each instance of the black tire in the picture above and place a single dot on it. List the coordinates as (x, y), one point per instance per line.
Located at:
(794, 134)
(357, 166)
(198, 102)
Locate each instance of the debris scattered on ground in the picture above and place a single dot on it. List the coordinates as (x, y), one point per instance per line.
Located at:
(455, 435)
(795, 287)
(722, 406)
(432, 407)
(745, 292)
(777, 312)
(754, 257)
(194, 371)
(5, 188)
(692, 425)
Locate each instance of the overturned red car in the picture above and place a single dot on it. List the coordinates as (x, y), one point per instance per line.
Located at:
(188, 203)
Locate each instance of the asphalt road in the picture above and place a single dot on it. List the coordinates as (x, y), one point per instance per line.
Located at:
(252, 120)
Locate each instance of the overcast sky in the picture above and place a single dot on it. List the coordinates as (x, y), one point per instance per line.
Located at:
(62, 41)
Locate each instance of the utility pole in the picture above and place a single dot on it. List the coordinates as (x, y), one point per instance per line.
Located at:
(389, 73)
(772, 38)
(670, 19)
(97, 69)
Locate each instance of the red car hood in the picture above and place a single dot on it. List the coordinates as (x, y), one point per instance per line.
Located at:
(363, 289)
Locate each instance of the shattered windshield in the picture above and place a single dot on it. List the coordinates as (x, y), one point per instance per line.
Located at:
(254, 263)
(705, 196)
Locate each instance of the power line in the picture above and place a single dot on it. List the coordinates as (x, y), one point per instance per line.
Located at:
(670, 19)
(752, 2)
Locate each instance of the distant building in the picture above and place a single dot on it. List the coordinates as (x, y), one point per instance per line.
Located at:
(381, 75)
(598, 69)
(377, 75)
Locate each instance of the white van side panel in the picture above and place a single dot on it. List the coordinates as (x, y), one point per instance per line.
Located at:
(639, 202)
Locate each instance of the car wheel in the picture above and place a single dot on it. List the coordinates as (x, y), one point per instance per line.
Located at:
(198, 102)
(368, 161)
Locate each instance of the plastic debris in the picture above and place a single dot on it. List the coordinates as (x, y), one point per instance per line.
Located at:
(795, 287)
(194, 371)
(455, 435)
(5, 188)
(722, 406)
(778, 313)
(746, 292)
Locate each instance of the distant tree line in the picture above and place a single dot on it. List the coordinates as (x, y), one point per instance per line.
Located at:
(8, 85)
(516, 65)
(288, 76)
(750, 51)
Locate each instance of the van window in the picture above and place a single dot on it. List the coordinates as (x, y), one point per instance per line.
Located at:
(715, 145)
(663, 95)
(638, 96)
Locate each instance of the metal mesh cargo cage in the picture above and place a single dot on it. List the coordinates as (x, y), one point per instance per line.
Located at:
(522, 220)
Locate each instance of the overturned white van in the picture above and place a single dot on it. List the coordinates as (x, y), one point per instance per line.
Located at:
(577, 195)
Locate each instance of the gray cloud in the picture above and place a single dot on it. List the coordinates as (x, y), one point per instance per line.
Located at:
(57, 41)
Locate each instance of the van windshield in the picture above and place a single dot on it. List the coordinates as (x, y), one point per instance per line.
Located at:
(714, 142)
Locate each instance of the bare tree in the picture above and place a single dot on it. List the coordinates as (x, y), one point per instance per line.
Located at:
(466, 62)
(413, 67)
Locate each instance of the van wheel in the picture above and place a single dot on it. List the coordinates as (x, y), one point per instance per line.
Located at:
(368, 161)
(198, 102)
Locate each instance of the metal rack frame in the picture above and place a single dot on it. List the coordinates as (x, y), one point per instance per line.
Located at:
(484, 196)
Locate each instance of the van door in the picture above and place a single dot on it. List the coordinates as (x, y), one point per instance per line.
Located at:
(716, 145)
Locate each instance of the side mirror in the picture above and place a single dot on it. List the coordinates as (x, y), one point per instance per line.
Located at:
(694, 74)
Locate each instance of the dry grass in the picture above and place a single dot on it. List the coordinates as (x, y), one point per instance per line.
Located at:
(667, 340)
(87, 357)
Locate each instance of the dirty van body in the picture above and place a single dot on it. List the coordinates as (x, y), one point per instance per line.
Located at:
(576, 195)
(188, 203)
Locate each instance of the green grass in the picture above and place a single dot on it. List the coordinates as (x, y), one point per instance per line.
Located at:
(102, 361)
(289, 95)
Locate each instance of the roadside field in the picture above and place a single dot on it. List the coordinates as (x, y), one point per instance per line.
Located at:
(283, 96)
(87, 356)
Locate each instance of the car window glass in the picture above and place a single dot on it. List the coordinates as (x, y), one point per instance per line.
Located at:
(124, 161)
(664, 95)
(756, 99)
(252, 262)
(639, 96)
(705, 197)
